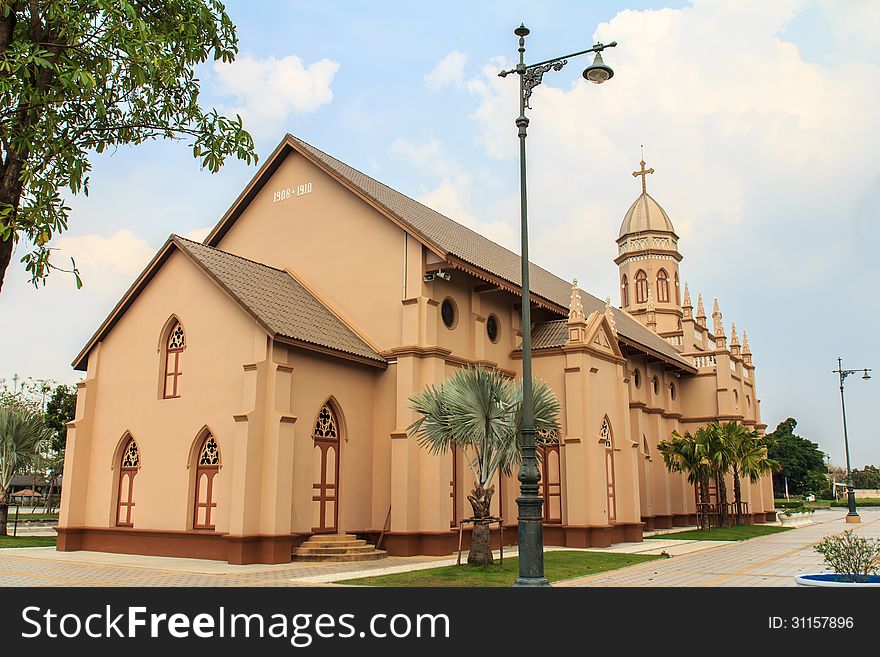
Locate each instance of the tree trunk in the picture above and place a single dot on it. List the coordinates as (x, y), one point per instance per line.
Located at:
(4, 511)
(704, 497)
(737, 496)
(722, 500)
(480, 553)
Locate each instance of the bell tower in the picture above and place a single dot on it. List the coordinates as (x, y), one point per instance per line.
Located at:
(648, 257)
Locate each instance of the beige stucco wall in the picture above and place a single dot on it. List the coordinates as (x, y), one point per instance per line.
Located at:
(220, 340)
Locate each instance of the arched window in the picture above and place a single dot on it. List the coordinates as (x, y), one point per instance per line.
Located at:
(547, 441)
(677, 292)
(655, 385)
(637, 379)
(624, 292)
(129, 464)
(605, 432)
(325, 512)
(641, 286)
(205, 498)
(175, 343)
(662, 286)
(645, 447)
(672, 391)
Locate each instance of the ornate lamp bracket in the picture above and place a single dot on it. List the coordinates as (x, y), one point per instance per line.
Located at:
(534, 75)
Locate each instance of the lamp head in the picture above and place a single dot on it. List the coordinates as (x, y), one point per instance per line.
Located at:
(598, 72)
(866, 376)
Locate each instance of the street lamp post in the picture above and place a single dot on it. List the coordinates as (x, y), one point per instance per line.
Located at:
(530, 517)
(852, 515)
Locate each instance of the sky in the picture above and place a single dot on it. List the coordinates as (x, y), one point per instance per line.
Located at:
(758, 117)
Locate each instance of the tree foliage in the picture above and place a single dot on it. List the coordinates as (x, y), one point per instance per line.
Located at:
(479, 412)
(79, 77)
(800, 460)
(867, 477)
(23, 437)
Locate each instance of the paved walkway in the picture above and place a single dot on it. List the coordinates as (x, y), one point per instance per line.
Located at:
(771, 560)
(765, 561)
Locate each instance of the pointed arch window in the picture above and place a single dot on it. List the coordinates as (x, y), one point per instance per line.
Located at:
(605, 432)
(641, 286)
(175, 344)
(646, 448)
(547, 441)
(662, 286)
(677, 291)
(205, 498)
(129, 465)
(624, 291)
(325, 496)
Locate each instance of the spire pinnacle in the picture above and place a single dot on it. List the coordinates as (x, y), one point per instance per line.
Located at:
(701, 313)
(746, 348)
(733, 339)
(609, 314)
(643, 172)
(575, 307)
(718, 325)
(687, 297)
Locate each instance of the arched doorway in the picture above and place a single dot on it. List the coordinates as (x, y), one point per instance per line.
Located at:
(325, 498)
(606, 436)
(551, 474)
(129, 464)
(205, 494)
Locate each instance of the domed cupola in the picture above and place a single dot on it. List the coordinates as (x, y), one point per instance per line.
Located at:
(648, 258)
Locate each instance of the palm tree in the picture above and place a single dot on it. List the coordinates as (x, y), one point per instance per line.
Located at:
(479, 412)
(689, 454)
(23, 435)
(749, 459)
(720, 454)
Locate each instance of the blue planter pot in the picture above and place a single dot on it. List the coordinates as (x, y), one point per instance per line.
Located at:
(830, 579)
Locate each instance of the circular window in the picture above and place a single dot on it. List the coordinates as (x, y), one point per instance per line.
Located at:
(656, 385)
(637, 379)
(447, 312)
(492, 328)
(672, 391)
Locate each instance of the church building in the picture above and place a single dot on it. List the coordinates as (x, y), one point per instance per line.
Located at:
(252, 391)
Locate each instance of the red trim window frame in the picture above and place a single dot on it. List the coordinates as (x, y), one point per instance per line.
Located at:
(641, 286)
(129, 465)
(624, 291)
(207, 466)
(175, 344)
(662, 286)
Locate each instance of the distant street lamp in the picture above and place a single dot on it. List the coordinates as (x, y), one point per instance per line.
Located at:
(853, 515)
(530, 503)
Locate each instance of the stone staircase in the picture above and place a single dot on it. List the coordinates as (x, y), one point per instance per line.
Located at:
(336, 547)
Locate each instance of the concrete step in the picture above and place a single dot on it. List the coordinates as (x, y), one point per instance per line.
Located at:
(360, 556)
(307, 548)
(318, 543)
(332, 537)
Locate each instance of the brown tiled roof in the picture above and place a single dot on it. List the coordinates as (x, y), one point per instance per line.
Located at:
(468, 245)
(277, 300)
(549, 334)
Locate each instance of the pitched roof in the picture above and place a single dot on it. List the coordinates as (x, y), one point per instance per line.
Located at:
(461, 242)
(278, 301)
(273, 297)
(550, 334)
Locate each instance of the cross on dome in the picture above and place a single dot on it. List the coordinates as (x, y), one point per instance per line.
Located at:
(643, 172)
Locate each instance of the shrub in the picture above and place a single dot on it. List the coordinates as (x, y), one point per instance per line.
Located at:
(851, 557)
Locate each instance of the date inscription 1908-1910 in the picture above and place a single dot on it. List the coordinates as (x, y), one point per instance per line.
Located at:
(291, 192)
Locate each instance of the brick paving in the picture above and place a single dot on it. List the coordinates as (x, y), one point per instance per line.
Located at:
(771, 560)
(767, 561)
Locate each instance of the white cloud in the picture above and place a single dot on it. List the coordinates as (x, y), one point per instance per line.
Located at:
(198, 234)
(449, 71)
(452, 194)
(268, 90)
(123, 253)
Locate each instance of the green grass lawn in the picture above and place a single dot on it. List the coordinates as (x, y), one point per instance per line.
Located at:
(737, 533)
(22, 517)
(26, 541)
(863, 501)
(558, 565)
